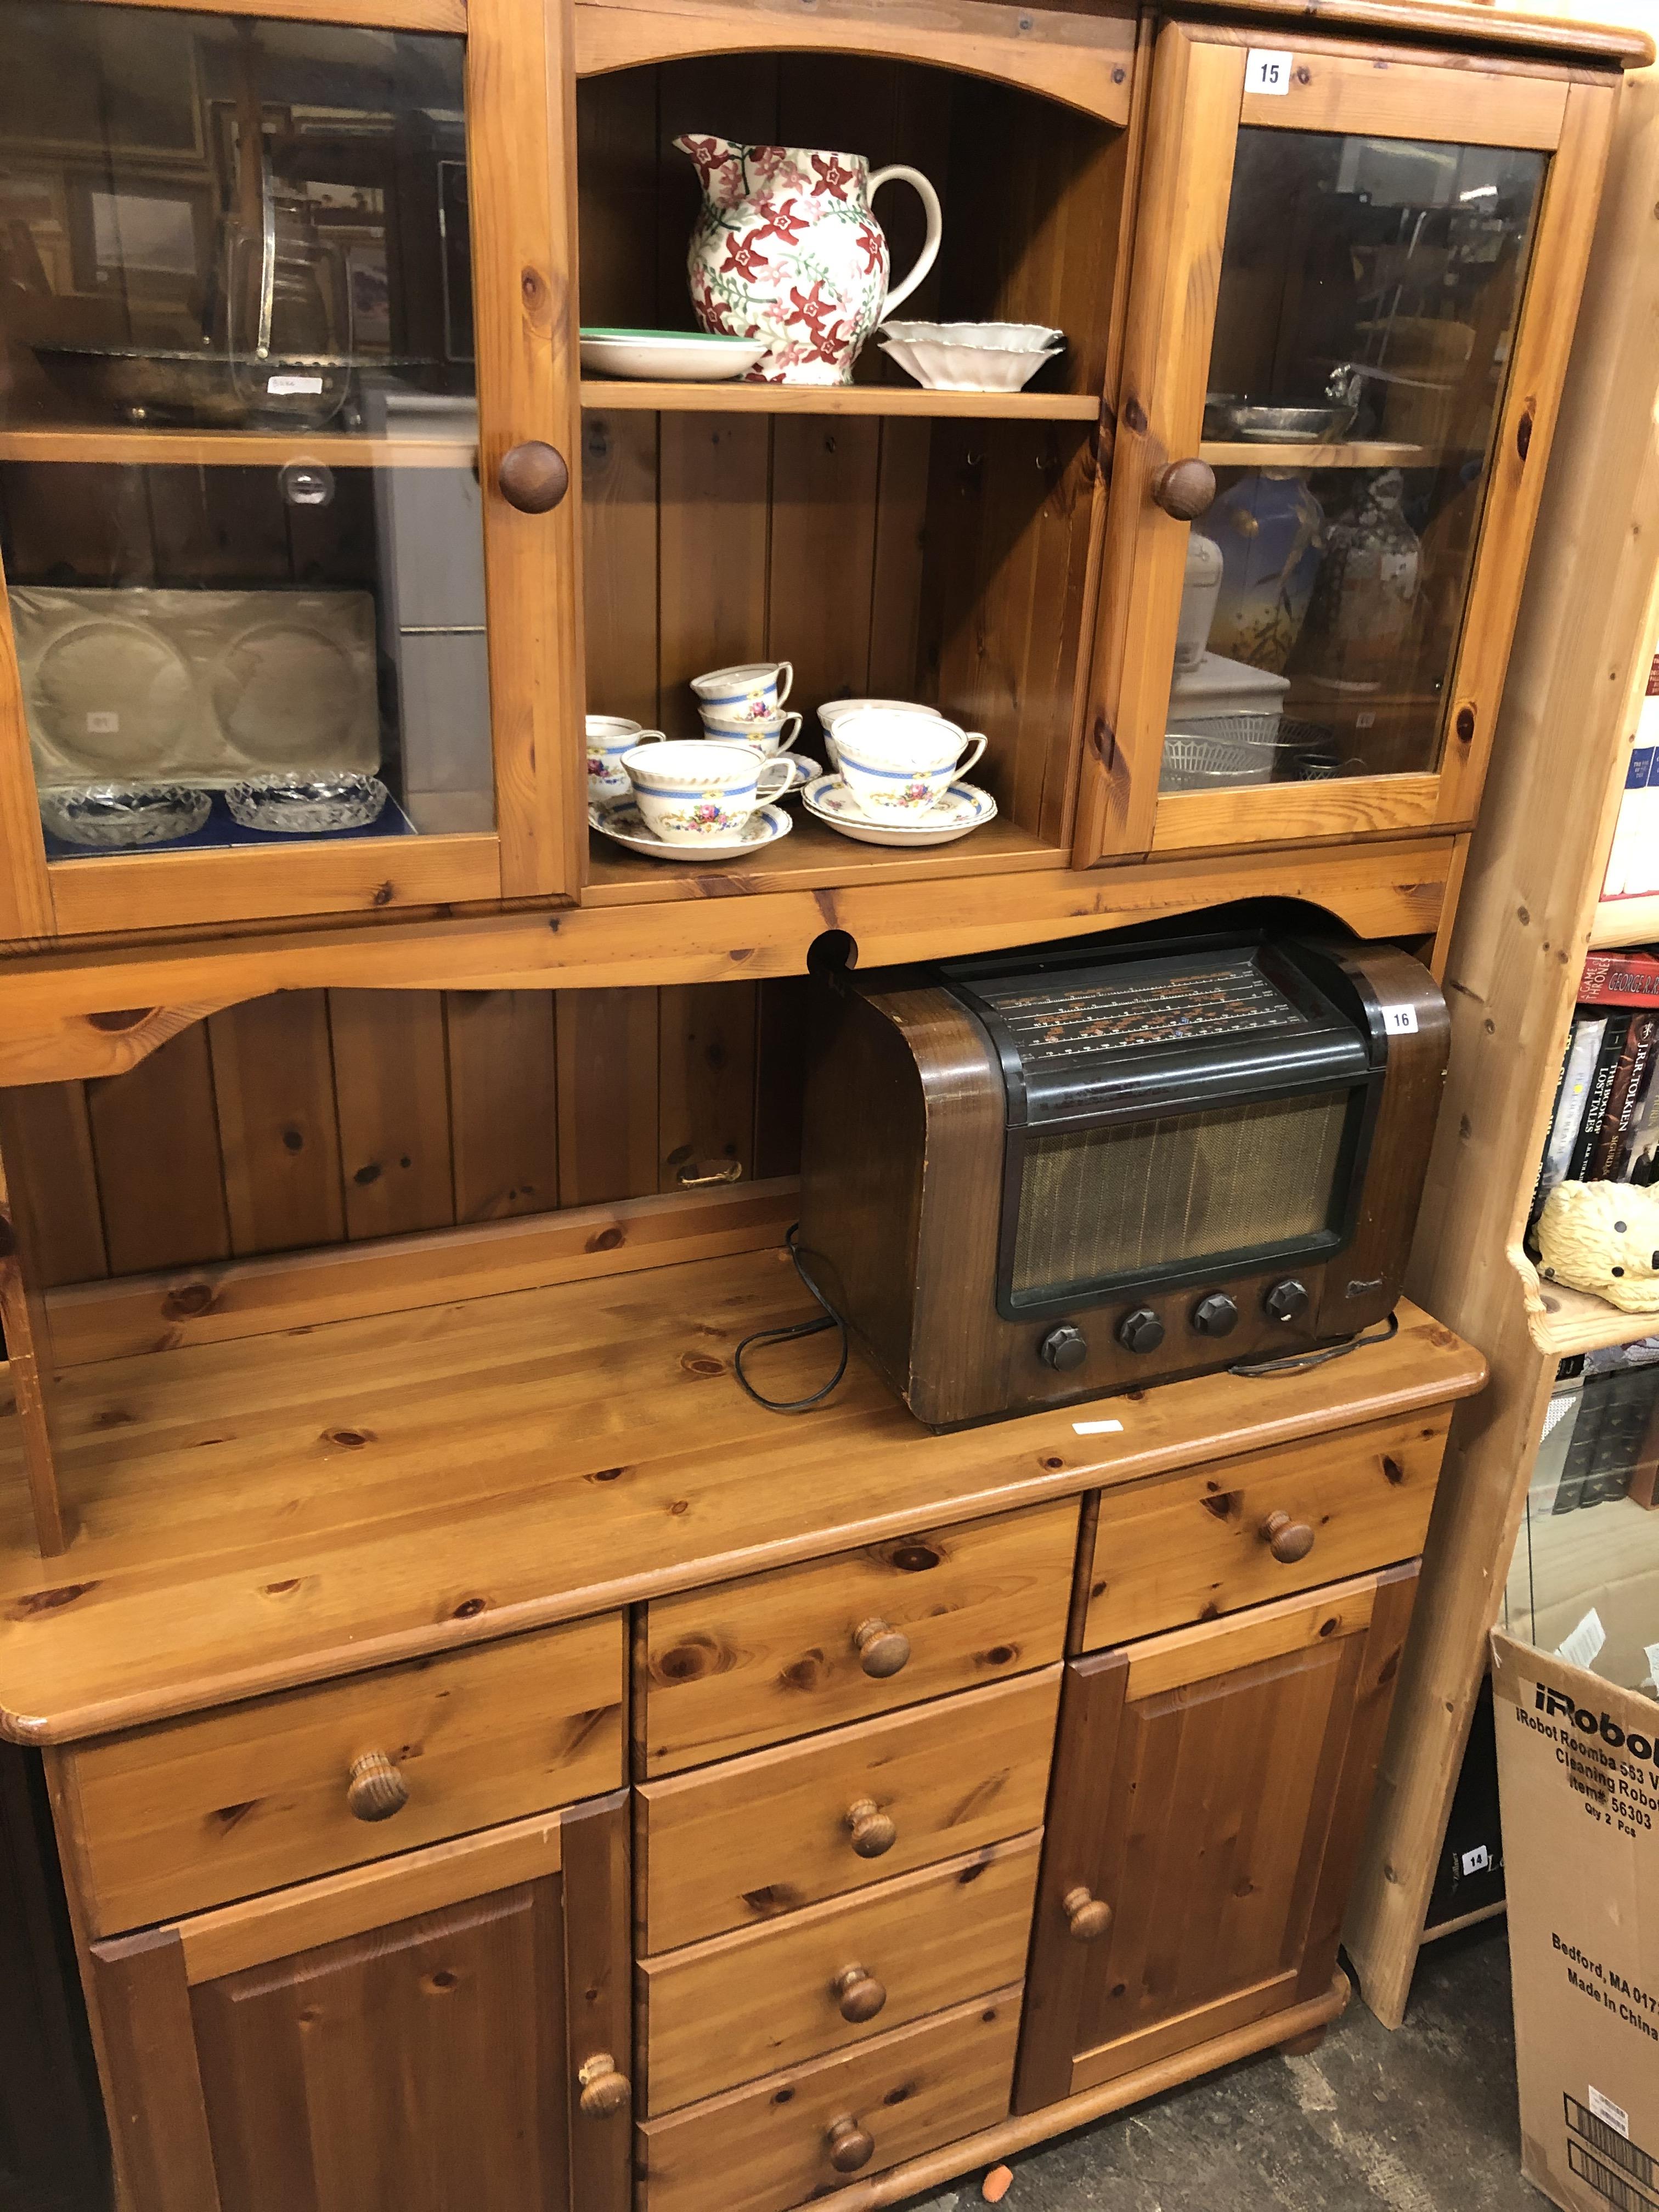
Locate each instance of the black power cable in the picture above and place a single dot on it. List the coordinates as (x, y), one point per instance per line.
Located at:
(830, 1319)
(1294, 1363)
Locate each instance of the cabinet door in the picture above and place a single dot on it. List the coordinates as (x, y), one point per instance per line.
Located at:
(282, 294)
(1211, 1788)
(1356, 277)
(449, 2027)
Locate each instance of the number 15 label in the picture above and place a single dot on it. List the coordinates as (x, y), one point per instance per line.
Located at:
(1265, 71)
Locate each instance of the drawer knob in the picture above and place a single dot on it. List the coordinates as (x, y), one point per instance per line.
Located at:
(1087, 1917)
(859, 1994)
(882, 1649)
(874, 1833)
(849, 2147)
(376, 1790)
(1184, 489)
(605, 2090)
(1288, 1540)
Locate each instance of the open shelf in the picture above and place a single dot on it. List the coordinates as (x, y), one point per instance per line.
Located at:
(1377, 454)
(121, 445)
(1566, 1322)
(809, 856)
(1620, 923)
(891, 399)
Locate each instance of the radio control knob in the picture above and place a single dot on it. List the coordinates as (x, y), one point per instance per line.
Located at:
(1065, 1347)
(1286, 1300)
(1141, 1331)
(1215, 1315)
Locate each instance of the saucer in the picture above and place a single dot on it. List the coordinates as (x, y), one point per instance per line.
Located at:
(623, 822)
(963, 807)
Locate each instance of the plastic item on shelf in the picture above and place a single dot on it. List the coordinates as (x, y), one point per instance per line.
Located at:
(1200, 588)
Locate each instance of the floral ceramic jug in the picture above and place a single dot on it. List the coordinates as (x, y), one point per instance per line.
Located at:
(785, 249)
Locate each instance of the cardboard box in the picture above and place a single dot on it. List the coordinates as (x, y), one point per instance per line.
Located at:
(1579, 1776)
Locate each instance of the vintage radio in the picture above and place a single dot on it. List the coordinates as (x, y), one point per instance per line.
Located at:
(1045, 1175)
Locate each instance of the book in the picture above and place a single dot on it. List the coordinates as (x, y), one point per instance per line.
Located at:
(1633, 860)
(1611, 1150)
(1601, 1089)
(1620, 979)
(1583, 1047)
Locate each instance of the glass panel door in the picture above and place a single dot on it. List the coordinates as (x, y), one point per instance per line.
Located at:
(1369, 294)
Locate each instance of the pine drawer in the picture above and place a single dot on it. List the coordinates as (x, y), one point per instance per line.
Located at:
(808, 2130)
(720, 2014)
(799, 1649)
(760, 1837)
(172, 1819)
(1202, 1542)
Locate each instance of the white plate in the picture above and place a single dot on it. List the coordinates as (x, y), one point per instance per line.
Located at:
(623, 823)
(963, 807)
(675, 357)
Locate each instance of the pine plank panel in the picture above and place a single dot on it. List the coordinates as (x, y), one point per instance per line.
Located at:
(619, 563)
(783, 1018)
(706, 1093)
(931, 1940)
(162, 2148)
(155, 1140)
(233, 1544)
(25, 1340)
(607, 1095)
(200, 1811)
(273, 1083)
(822, 556)
(896, 401)
(1345, 806)
(502, 1102)
(713, 534)
(390, 1074)
(896, 671)
(1469, 105)
(45, 1128)
(598, 1993)
(26, 902)
(762, 2148)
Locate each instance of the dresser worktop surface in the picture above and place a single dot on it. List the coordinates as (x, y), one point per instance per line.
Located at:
(276, 1509)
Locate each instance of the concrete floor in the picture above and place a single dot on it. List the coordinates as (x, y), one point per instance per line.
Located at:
(1422, 2121)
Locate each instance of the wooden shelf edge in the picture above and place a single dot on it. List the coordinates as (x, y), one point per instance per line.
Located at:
(1619, 924)
(118, 447)
(607, 395)
(1562, 1322)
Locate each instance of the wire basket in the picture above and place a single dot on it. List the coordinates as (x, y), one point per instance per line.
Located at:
(1229, 749)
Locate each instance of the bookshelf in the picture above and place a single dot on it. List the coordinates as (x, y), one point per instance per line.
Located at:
(1530, 910)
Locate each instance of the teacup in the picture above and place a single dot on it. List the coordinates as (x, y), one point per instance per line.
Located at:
(833, 710)
(758, 687)
(609, 737)
(697, 791)
(765, 732)
(898, 762)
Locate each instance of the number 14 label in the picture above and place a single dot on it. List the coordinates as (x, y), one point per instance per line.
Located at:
(1266, 70)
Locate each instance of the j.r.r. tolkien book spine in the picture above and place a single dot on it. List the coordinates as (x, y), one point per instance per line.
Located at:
(1611, 1150)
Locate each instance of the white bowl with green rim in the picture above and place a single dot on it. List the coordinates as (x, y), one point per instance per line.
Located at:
(668, 357)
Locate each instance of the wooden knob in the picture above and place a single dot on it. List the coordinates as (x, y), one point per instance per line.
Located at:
(858, 1993)
(849, 2147)
(605, 2090)
(1184, 489)
(882, 1651)
(872, 1832)
(1087, 1918)
(1288, 1540)
(533, 476)
(376, 1790)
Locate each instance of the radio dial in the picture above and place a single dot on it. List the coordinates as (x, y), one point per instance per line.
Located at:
(1286, 1300)
(1065, 1347)
(1141, 1331)
(1215, 1315)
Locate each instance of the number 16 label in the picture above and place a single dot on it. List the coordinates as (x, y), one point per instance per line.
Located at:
(1265, 71)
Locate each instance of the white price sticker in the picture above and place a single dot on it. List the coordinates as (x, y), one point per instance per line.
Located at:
(103, 724)
(1613, 2116)
(1268, 71)
(1095, 1428)
(284, 387)
(1401, 1021)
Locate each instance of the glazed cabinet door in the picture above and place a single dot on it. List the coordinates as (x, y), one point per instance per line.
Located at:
(1211, 1788)
(449, 2027)
(289, 625)
(1356, 278)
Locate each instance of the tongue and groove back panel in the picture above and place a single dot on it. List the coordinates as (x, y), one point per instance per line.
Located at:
(315, 1118)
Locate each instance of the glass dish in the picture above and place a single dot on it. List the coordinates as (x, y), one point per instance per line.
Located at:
(308, 806)
(113, 815)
